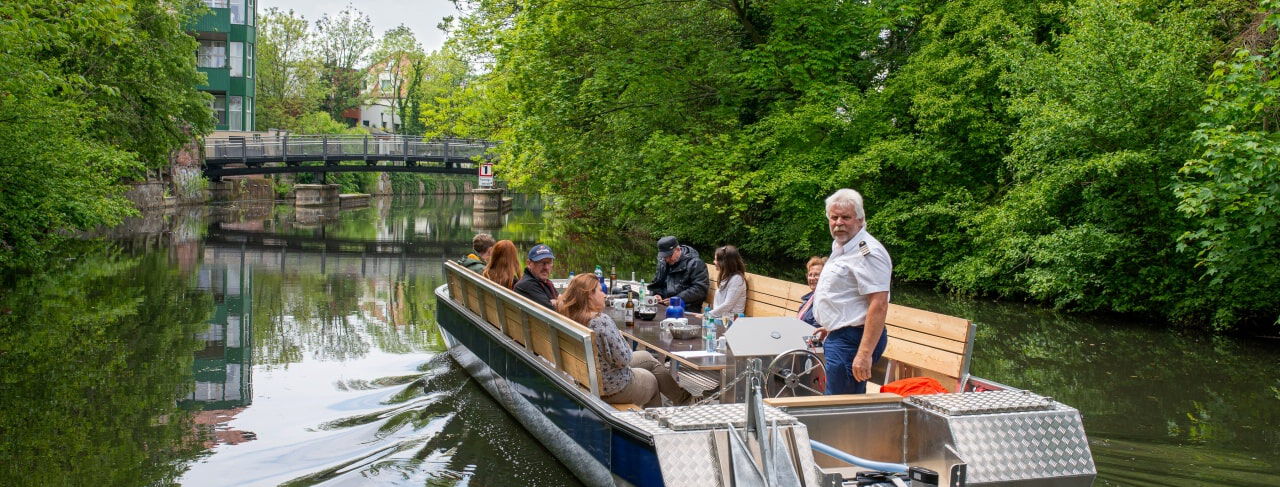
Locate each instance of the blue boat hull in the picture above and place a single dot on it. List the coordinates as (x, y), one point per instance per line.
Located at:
(578, 429)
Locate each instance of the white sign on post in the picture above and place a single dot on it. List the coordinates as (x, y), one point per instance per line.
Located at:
(486, 175)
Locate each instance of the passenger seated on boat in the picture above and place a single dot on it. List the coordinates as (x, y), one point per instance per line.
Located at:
(682, 273)
(482, 244)
(814, 270)
(626, 377)
(731, 296)
(504, 265)
(536, 282)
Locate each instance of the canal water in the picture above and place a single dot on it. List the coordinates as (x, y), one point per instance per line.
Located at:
(260, 345)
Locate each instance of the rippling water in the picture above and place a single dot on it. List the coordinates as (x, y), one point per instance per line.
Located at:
(261, 345)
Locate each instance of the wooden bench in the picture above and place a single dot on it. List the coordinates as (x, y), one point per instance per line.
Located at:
(921, 343)
(565, 344)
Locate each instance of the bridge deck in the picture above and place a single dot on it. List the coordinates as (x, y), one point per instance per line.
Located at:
(235, 156)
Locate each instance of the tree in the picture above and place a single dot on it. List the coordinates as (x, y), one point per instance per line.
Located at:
(1232, 190)
(288, 83)
(342, 44)
(445, 102)
(397, 67)
(91, 94)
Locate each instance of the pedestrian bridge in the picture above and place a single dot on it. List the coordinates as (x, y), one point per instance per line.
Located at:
(238, 156)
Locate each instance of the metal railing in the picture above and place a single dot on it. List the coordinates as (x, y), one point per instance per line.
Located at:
(287, 148)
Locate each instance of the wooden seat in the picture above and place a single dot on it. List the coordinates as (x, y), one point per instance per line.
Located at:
(627, 407)
(566, 345)
(921, 343)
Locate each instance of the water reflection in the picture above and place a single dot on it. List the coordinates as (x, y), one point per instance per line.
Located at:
(348, 379)
(93, 353)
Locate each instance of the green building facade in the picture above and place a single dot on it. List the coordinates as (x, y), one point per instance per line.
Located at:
(226, 54)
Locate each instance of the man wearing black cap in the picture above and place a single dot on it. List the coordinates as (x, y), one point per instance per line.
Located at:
(680, 273)
(536, 282)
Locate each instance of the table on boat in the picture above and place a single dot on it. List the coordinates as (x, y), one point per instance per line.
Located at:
(648, 334)
(698, 375)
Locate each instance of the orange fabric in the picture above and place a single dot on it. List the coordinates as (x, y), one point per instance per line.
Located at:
(914, 385)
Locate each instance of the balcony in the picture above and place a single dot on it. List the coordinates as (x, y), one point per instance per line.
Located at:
(217, 20)
(219, 79)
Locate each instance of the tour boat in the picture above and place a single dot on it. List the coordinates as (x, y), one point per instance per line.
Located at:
(762, 420)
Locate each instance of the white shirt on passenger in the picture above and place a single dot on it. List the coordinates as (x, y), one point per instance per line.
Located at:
(731, 297)
(859, 267)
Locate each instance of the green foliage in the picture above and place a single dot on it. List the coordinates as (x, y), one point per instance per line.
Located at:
(1023, 148)
(91, 94)
(95, 353)
(1232, 190)
(1087, 220)
(288, 83)
(320, 123)
(342, 44)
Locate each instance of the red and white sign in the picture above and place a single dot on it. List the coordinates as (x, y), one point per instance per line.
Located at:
(486, 175)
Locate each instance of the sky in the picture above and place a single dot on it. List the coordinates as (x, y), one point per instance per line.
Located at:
(421, 16)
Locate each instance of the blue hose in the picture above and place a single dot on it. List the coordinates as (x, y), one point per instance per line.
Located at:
(861, 462)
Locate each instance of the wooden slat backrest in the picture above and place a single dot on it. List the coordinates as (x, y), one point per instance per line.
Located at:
(566, 344)
(766, 296)
(921, 343)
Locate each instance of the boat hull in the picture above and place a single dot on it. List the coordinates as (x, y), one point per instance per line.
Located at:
(579, 430)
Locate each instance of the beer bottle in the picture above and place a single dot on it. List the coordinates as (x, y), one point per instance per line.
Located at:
(629, 314)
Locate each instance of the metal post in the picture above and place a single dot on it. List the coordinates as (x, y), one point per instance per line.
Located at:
(406, 150)
(244, 151)
(284, 148)
(448, 164)
(324, 149)
(366, 149)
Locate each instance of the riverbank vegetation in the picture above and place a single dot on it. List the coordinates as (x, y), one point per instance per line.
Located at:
(92, 94)
(1092, 154)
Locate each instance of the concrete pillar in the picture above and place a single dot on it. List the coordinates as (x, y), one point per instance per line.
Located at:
(486, 199)
(316, 195)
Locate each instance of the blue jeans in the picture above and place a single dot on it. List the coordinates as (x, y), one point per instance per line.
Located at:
(840, 347)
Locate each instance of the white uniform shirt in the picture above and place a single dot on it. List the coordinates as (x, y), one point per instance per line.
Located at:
(859, 267)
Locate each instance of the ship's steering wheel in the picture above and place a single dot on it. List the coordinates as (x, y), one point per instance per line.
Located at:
(794, 373)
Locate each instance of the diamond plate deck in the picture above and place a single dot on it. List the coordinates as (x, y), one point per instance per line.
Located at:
(1030, 438)
(688, 459)
(968, 403)
(712, 416)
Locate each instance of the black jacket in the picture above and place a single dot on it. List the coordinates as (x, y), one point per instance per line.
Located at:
(536, 289)
(687, 278)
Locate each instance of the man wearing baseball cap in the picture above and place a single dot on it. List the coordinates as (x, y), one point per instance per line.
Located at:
(536, 282)
(680, 273)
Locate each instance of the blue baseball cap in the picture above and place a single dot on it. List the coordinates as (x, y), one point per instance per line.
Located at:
(539, 252)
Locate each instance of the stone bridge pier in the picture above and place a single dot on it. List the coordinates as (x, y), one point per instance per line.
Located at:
(490, 200)
(316, 195)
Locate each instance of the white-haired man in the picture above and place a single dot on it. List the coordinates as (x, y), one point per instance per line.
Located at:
(852, 296)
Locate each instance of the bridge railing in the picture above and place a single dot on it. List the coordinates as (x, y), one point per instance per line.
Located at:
(315, 147)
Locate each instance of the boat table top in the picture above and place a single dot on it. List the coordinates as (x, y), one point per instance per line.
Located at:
(648, 334)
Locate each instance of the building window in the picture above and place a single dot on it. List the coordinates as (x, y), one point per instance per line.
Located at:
(248, 62)
(251, 13)
(235, 105)
(216, 3)
(385, 86)
(248, 114)
(212, 54)
(219, 107)
(237, 59)
(237, 11)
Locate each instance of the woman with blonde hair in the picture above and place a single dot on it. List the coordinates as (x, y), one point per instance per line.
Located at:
(504, 265)
(626, 377)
